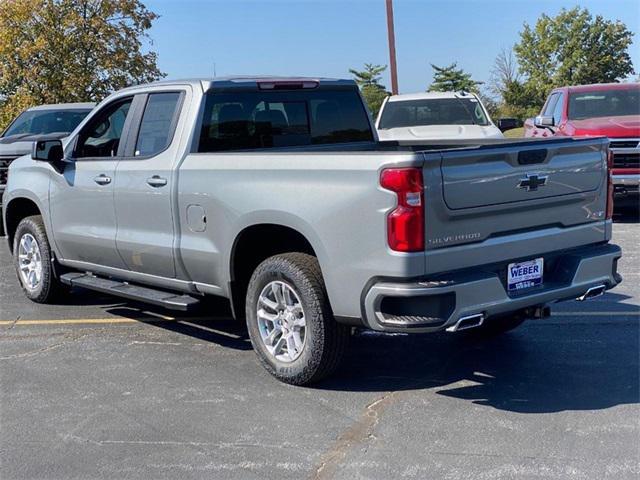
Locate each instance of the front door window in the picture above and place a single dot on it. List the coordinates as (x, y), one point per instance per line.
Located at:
(102, 136)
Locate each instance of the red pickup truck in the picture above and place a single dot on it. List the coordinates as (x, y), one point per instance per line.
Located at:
(609, 110)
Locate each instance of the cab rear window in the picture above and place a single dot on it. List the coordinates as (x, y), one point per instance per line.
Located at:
(275, 119)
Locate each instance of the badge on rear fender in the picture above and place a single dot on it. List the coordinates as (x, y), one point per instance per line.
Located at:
(525, 274)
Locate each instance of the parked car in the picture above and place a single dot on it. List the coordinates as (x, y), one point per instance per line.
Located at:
(275, 194)
(435, 115)
(52, 121)
(608, 110)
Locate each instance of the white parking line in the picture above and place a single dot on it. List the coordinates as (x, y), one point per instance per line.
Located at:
(163, 318)
(88, 321)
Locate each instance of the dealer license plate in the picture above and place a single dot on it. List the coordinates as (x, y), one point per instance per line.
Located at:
(525, 274)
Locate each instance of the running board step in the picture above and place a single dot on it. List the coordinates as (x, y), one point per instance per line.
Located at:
(170, 300)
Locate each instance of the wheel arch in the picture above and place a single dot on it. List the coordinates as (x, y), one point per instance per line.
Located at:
(15, 211)
(252, 245)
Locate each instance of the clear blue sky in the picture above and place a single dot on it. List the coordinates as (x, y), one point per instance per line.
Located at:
(327, 37)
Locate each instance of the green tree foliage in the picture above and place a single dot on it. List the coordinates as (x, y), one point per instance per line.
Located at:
(572, 48)
(71, 50)
(452, 79)
(509, 95)
(369, 82)
(519, 100)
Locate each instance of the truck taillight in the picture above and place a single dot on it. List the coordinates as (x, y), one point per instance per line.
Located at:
(405, 223)
(609, 186)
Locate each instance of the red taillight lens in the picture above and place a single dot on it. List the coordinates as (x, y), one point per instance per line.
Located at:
(405, 224)
(609, 186)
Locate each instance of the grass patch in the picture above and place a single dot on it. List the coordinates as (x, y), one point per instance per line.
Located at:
(515, 133)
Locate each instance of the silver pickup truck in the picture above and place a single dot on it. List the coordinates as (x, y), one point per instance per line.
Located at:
(275, 194)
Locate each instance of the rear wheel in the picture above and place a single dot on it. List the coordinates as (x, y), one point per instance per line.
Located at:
(33, 261)
(290, 322)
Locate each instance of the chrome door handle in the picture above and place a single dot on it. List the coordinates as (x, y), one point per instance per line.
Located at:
(102, 179)
(157, 181)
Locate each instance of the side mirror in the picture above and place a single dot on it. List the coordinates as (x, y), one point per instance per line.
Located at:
(505, 124)
(47, 151)
(544, 121)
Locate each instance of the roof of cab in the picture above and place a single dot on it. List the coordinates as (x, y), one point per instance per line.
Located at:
(429, 95)
(63, 106)
(595, 87)
(242, 81)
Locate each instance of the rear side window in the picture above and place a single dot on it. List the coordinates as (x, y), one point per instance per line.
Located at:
(156, 128)
(268, 119)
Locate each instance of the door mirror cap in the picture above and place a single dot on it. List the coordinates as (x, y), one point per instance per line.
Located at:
(505, 124)
(544, 121)
(47, 151)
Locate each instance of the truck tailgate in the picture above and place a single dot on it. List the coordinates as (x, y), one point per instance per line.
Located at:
(514, 188)
(520, 174)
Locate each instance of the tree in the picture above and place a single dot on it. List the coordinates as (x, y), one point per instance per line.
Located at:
(452, 79)
(513, 98)
(55, 51)
(573, 48)
(504, 72)
(369, 82)
(519, 100)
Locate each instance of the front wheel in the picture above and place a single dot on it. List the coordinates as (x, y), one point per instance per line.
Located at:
(33, 261)
(290, 322)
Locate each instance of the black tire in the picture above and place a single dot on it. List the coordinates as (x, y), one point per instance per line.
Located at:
(49, 287)
(325, 339)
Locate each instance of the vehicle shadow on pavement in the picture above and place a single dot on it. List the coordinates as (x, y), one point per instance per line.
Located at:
(610, 302)
(87, 298)
(218, 327)
(560, 364)
(536, 369)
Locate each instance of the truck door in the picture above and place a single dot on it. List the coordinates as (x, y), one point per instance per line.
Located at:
(144, 184)
(81, 197)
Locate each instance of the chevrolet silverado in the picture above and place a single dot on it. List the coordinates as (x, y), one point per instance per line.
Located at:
(276, 194)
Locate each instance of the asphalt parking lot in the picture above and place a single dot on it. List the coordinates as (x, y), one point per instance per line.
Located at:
(103, 389)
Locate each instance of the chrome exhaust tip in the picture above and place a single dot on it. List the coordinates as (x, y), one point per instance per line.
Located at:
(467, 322)
(592, 293)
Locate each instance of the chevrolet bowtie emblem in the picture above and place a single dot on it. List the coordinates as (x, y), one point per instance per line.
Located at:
(532, 181)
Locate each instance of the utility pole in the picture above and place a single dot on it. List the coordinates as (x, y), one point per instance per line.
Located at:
(392, 48)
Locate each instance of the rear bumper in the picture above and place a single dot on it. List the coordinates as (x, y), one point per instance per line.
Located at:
(436, 304)
(626, 179)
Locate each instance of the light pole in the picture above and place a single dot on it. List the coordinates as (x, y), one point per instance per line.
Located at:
(392, 48)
